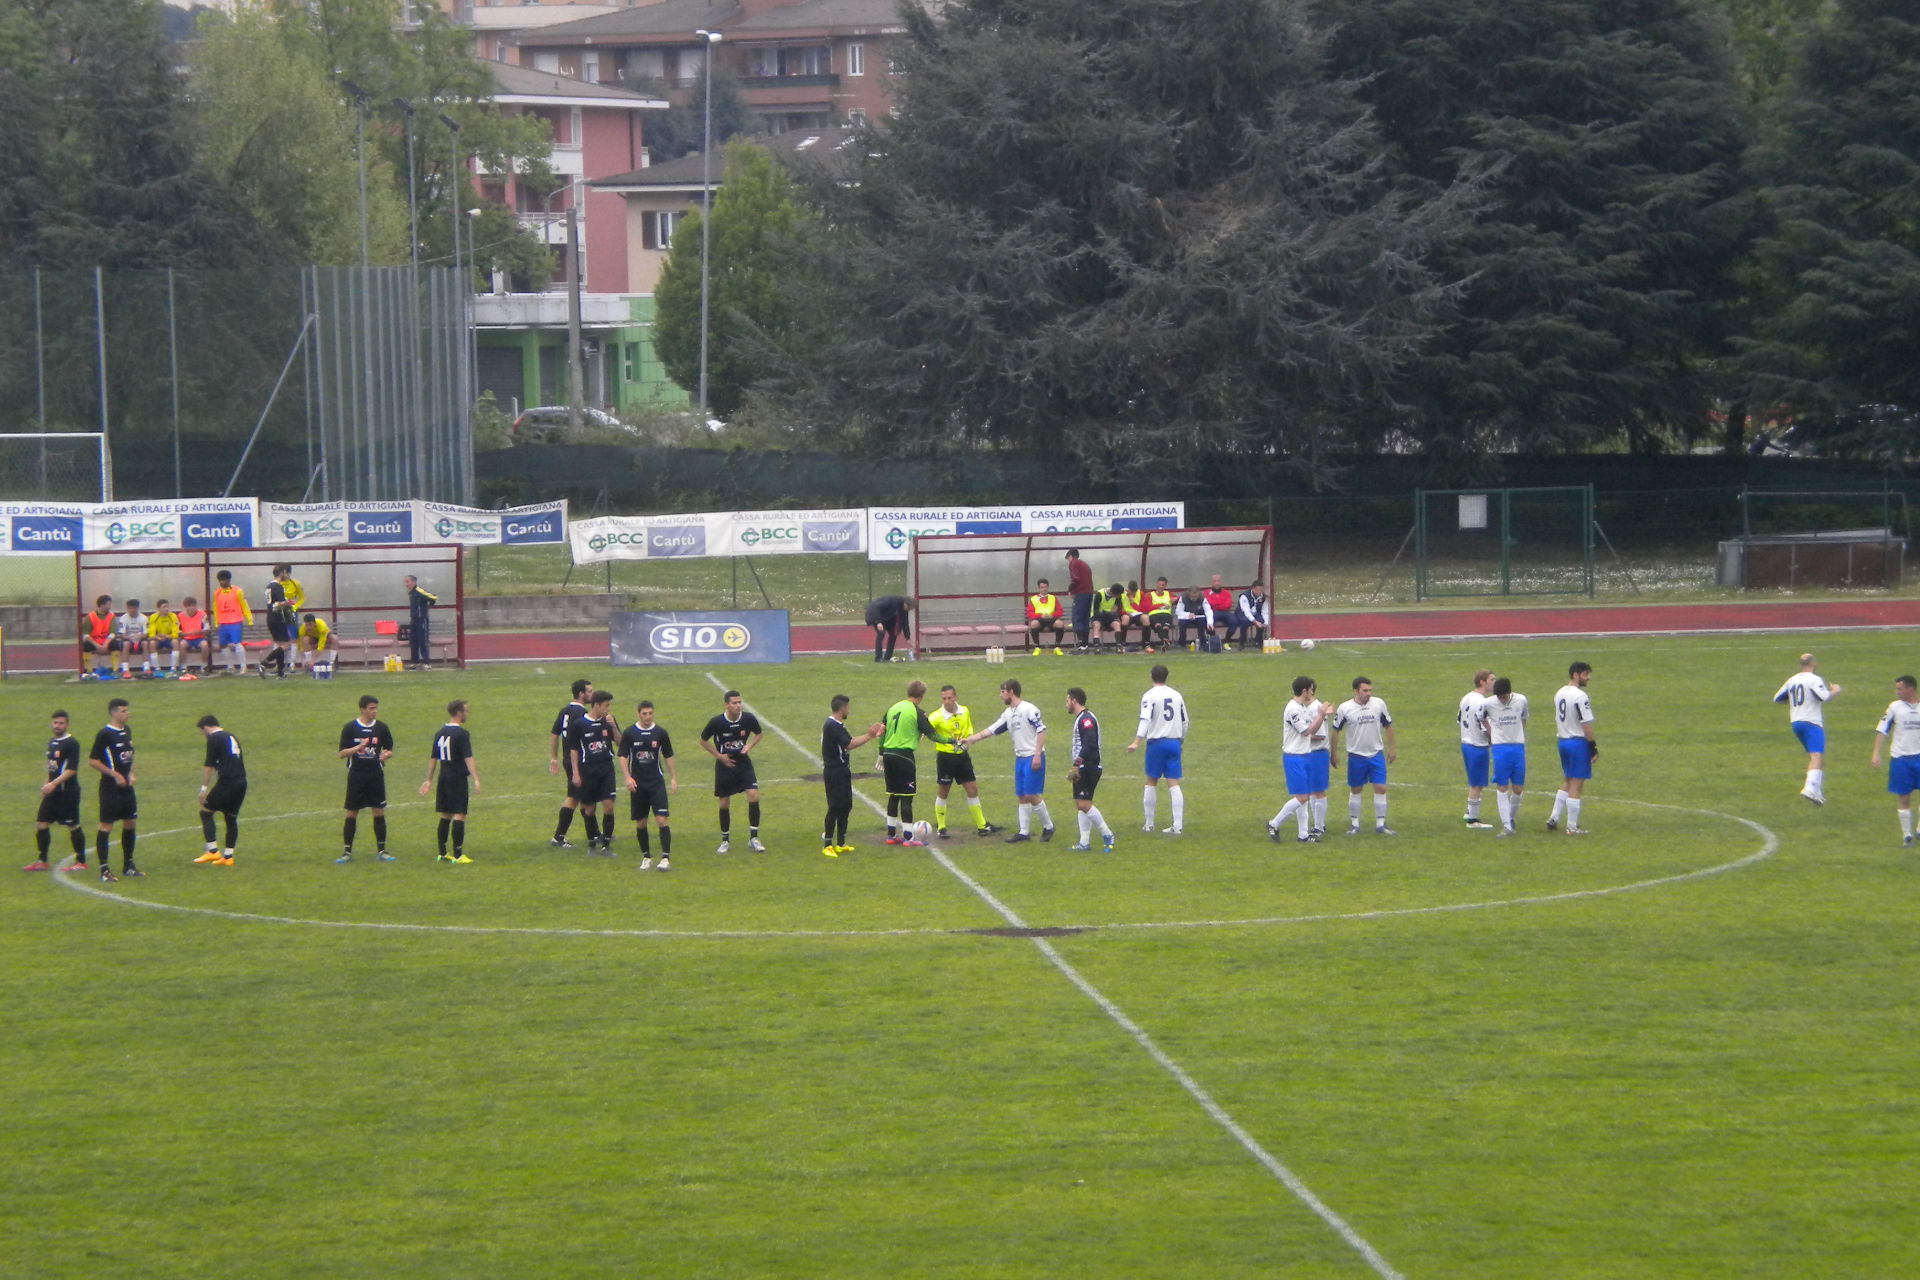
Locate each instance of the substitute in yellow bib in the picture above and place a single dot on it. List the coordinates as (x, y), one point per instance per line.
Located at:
(1043, 611)
(954, 763)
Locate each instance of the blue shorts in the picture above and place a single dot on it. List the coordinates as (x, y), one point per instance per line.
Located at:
(230, 633)
(1510, 764)
(1299, 774)
(1903, 775)
(1319, 769)
(1027, 780)
(1364, 769)
(1812, 736)
(1476, 759)
(1576, 758)
(1163, 759)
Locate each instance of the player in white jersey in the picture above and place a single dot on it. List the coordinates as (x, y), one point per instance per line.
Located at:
(1900, 727)
(1476, 752)
(1022, 719)
(1805, 694)
(1304, 718)
(1163, 726)
(1503, 718)
(1573, 723)
(1368, 728)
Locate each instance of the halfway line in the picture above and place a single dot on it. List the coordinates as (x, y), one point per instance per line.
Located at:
(1214, 1110)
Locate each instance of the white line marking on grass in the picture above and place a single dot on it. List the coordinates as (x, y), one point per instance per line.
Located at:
(1214, 1110)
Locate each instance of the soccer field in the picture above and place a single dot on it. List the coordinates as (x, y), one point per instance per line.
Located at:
(1680, 1047)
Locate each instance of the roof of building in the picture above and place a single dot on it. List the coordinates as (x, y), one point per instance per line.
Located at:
(523, 82)
(790, 149)
(671, 19)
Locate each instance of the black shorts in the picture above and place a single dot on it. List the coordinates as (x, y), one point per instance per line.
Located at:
(117, 803)
(1089, 779)
(953, 766)
(647, 797)
(366, 790)
(597, 784)
(60, 807)
(1106, 615)
(1037, 625)
(281, 629)
(731, 781)
(225, 797)
(901, 773)
(450, 794)
(839, 788)
(90, 645)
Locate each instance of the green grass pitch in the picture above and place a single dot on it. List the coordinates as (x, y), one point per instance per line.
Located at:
(784, 1065)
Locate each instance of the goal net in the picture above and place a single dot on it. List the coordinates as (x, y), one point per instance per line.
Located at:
(971, 589)
(55, 466)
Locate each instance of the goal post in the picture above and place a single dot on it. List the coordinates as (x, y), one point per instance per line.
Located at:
(357, 589)
(55, 466)
(1503, 542)
(970, 589)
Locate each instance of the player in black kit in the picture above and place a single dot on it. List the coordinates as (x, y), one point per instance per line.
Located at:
(646, 761)
(730, 738)
(836, 758)
(591, 745)
(557, 750)
(60, 797)
(223, 789)
(366, 744)
(452, 758)
(112, 759)
(1084, 773)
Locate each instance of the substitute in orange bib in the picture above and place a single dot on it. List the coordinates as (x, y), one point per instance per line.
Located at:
(231, 614)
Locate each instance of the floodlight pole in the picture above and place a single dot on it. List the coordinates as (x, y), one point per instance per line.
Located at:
(706, 211)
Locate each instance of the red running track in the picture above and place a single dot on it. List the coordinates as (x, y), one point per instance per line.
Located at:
(1397, 624)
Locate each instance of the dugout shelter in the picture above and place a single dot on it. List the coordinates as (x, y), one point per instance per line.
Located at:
(971, 589)
(357, 589)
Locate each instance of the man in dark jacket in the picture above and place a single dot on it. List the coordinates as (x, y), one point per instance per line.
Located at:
(419, 604)
(888, 618)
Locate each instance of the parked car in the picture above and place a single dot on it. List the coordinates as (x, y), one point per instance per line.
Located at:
(547, 424)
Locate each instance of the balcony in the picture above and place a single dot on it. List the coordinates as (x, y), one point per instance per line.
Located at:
(750, 82)
(548, 310)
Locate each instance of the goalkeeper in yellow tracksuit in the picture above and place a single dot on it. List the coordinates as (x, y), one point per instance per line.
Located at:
(955, 764)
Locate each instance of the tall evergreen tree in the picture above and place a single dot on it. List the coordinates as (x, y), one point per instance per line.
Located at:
(1600, 274)
(94, 117)
(1117, 232)
(1840, 265)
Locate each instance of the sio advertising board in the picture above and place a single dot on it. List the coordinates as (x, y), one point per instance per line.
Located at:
(720, 533)
(891, 530)
(676, 639)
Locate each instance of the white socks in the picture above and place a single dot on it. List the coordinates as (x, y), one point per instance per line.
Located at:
(1906, 822)
(1179, 799)
(1040, 812)
(1026, 819)
(1473, 806)
(1573, 812)
(1150, 802)
(1505, 803)
(1559, 805)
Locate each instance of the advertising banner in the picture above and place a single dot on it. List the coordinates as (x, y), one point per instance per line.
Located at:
(162, 525)
(724, 533)
(336, 524)
(675, 639)
(890, 530)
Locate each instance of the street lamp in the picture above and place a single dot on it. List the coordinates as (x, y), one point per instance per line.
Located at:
(706, 211)
(413, 212)
(359, 96)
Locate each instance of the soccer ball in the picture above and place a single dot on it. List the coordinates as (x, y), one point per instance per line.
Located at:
(1306, 644)
(923, 831)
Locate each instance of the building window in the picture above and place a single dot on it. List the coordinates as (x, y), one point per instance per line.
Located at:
(590, 68)
(856, 59)
(656, 228)
(547, 60)
(857, 118)
(814, 60)
(572, 141)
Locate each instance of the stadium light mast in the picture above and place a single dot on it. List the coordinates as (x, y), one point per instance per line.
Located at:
(706, 211)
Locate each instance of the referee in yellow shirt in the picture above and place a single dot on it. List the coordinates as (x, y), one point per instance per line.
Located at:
(954, 763)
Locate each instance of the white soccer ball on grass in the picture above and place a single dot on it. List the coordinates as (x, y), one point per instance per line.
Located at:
(1306, 644)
